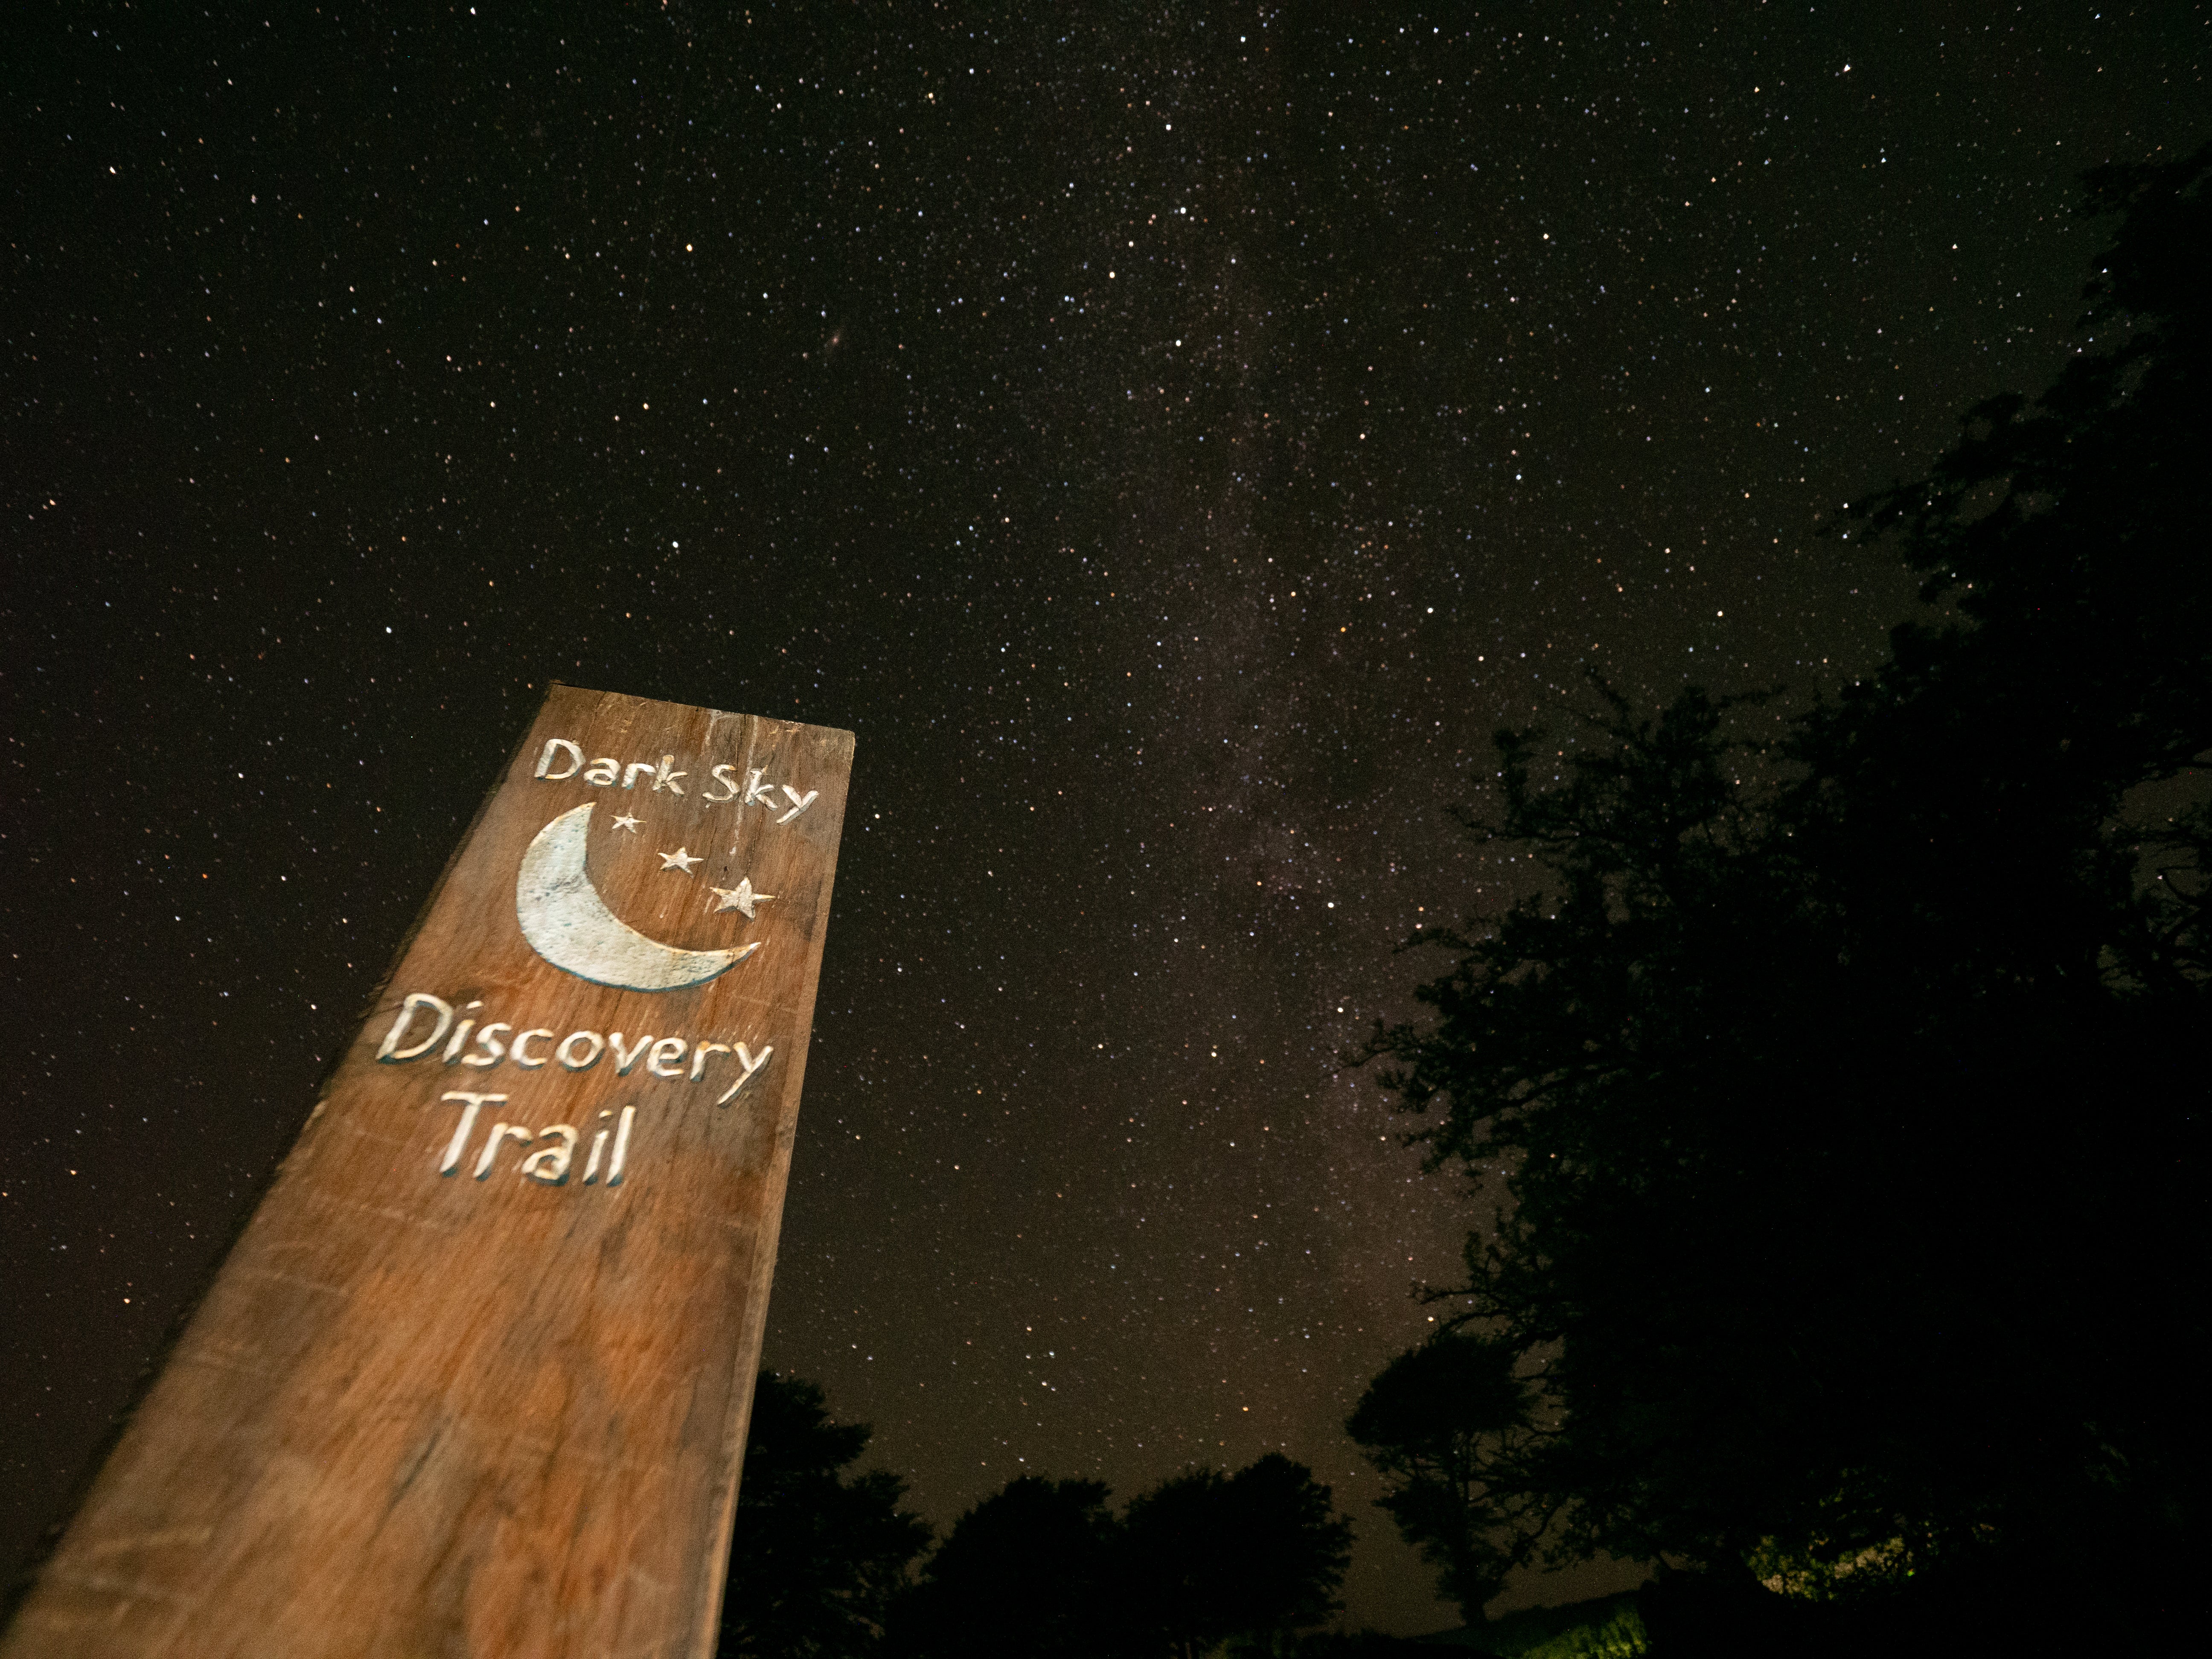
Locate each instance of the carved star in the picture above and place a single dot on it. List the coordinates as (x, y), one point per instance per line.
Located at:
(678, 860)
(626, 822)
(741, 897)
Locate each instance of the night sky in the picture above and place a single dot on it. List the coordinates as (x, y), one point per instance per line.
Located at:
(1173, 441)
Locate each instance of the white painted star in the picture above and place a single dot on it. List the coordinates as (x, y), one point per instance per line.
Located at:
(626, 822)
(678, 860)
(742, 897)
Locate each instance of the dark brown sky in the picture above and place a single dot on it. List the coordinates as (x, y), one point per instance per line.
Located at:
(1172, 441)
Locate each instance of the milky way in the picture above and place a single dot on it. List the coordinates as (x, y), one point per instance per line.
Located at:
(1173, 442)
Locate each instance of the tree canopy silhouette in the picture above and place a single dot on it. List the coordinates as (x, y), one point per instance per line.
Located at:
(1258, 1555)
(1026, 1571)
(1045, 1567)
(814, 1556)
(1437, 1423)
(1851, 1123)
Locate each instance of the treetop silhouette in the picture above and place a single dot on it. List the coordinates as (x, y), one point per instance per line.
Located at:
(1851, 1126)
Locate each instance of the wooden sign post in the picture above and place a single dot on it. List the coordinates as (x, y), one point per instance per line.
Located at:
(474, 1380)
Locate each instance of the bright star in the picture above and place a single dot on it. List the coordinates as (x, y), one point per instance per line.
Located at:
(678, 860)
(628, 822)
(741, 897)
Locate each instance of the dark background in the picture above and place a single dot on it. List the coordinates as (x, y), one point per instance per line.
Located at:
(1172, 438)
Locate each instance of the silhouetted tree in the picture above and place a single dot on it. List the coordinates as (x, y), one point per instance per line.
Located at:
(1170, 1564)
(1852, 1127)
(1043, 1567)
(1437, 1424)
(1257, 1555)
(1027, 1571)
(1289, 1552)
(815, 1556)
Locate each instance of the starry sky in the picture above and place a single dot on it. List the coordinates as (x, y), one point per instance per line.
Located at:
(1173, 438)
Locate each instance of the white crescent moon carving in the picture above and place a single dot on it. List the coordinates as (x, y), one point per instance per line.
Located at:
(569, 925)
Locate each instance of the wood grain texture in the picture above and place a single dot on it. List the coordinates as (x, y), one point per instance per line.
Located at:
(421, 1415)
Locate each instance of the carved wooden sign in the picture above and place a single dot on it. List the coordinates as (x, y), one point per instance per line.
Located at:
(474, 1380)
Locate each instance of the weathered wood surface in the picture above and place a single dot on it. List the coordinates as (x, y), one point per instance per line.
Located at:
(421, 1413)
